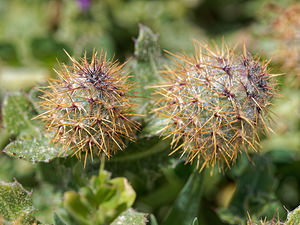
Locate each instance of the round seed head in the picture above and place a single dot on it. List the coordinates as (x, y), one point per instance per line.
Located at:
(216, 102)
(87, 109)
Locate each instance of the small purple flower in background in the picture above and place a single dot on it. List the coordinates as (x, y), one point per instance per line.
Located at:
(84, 5)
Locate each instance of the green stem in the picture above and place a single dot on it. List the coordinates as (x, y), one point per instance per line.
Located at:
(102, 164)
(159, 147)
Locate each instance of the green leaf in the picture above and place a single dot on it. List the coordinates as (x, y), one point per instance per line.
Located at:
(153, 220)
(255, 191)
(125, 193)
(33, 150)
(294, 217)
(18, 112)
(4, 138)
(195, 222)
(89, 197)
(75, 206)
(146, 46)
(65, 217)
(187, 204)
(31, 145)
(130, 217)
(154, 126)
(34, 96)
(166, 192)
(144, 67)
(15, 204)
(57, 220)
(101, 201)
(141, 162)
(70, 169)
(120, 197)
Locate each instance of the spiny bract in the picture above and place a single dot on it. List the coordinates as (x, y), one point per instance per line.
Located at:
(215, 103)
(88, 108)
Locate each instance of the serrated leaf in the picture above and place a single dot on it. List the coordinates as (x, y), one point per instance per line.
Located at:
(18, 112)
(294, 217)
(31, 145)
(15, 203)
(33, 150)
(130, 217)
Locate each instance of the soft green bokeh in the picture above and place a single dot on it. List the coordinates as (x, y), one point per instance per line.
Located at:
(33, 34)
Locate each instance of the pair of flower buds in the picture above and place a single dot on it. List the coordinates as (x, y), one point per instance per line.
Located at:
(215, 103)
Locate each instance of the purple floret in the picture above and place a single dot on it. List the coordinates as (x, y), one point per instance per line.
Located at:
(84, 5)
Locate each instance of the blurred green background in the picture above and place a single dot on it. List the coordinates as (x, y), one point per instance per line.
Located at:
(33, 34)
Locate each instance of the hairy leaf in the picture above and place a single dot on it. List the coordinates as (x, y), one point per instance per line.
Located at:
(33, 150)
(145, 66)
(130, 217)
(31, 144)
(294, 217)
(18, 112)
(146, 46)
(15, 204)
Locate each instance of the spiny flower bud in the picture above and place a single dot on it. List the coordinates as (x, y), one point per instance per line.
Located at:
(274, 221)
(215, 102)
(88, 108)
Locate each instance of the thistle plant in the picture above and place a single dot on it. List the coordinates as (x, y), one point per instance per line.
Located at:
(213, 107)
(215, 103)
(87, 109)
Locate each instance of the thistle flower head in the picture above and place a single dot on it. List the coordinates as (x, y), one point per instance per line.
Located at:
(215, 102)
(87, 109)
(274, 221)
